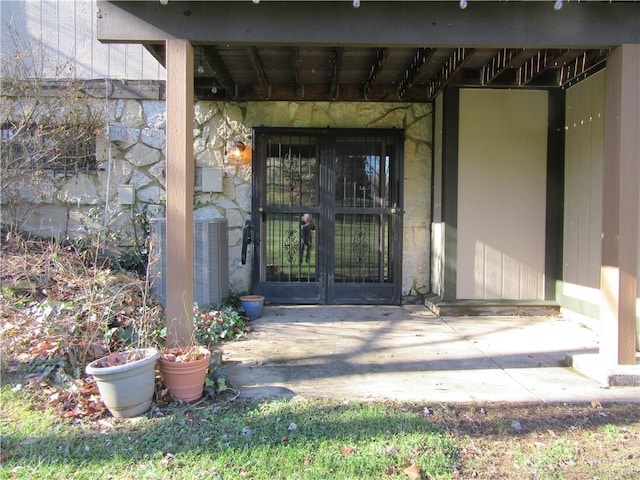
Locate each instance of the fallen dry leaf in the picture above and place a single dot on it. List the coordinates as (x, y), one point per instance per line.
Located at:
(4, 455)
(347, 449)
(413, 471)
(115, 359)
(596, 404)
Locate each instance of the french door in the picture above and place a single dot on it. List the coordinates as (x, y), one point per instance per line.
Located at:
(327, 215)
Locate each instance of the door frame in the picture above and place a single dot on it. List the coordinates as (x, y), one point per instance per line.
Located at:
(356, 293)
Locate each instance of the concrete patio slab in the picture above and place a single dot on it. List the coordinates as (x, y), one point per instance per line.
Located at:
(408, 353)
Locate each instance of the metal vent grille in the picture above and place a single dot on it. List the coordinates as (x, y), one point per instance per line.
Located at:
(210, 260)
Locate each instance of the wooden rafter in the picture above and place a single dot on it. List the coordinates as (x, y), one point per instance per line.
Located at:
(157, 51)
(212, 57)
(503, 60)
(381, 57)
(296, 72)
(258, 67)
(337, 68)
(581, 65)
(421, 57)
(449, 70)
(539, 63)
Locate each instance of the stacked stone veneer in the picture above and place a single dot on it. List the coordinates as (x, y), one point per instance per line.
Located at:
(137, 157)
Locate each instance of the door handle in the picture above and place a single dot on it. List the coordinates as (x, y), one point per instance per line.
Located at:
(246, 240)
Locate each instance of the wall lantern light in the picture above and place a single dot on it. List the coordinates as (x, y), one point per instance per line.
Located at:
(235, 148)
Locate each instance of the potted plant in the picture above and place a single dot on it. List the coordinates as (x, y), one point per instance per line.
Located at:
(184, 370)
(252, 305)
(126, 380)
(126, 377)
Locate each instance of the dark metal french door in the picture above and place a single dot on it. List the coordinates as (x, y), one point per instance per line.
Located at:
(327, 215)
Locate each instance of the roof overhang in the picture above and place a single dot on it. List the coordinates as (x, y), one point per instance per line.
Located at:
(383, 50)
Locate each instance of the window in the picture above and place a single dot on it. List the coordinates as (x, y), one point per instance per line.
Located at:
(56, 147)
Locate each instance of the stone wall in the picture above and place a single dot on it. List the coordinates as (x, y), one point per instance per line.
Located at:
(135, 156)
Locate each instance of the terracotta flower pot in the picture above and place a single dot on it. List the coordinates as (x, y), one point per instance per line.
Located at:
(126, 389)
(184, 377)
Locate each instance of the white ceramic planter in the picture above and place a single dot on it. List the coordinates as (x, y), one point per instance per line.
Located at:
(127, 390)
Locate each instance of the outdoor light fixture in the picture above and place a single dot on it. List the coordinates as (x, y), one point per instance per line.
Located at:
(164, 2)
(463, 4)
(235, 147)
(558, 5)
(200, 68)
(356, 3)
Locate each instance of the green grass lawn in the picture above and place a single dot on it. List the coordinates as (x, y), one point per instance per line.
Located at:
(269, 440)
(321, 439)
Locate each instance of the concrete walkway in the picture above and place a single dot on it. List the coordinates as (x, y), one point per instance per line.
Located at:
(408, 353)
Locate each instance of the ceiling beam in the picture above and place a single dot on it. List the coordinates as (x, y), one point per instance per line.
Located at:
(502, 62)
(452, 66)
(212, 57)
(381, 57)
(315, 93)
(296, 72)
(421, 57)
(261, 74)
(484, 25)
(337, 69)
(539, 63)
(581, 65)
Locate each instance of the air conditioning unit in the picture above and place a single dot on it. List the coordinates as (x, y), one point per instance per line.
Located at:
(210, 260)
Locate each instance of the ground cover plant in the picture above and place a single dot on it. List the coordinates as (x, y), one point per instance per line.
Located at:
(60, 309)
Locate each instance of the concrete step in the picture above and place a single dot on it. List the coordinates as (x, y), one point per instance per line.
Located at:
(445, 308)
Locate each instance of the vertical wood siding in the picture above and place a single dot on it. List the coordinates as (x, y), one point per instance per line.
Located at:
(437, 232)
(582, 247)
(502, 194)
(67, 30)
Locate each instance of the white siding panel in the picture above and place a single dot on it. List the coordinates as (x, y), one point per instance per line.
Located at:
(583, 182)
(596, 119)
(502, 194)
(584, 163)
(571, 195)
(67, 30)
(85, 40)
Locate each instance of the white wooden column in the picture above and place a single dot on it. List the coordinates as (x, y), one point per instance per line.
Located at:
(180, 180)
(618, 273)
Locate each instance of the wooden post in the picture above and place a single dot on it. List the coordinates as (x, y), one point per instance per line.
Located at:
(180, 180)
(619, 270)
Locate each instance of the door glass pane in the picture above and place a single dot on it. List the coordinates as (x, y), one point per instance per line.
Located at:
(291, 248)
(362, 174)
(291, 171)
(362, 249)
